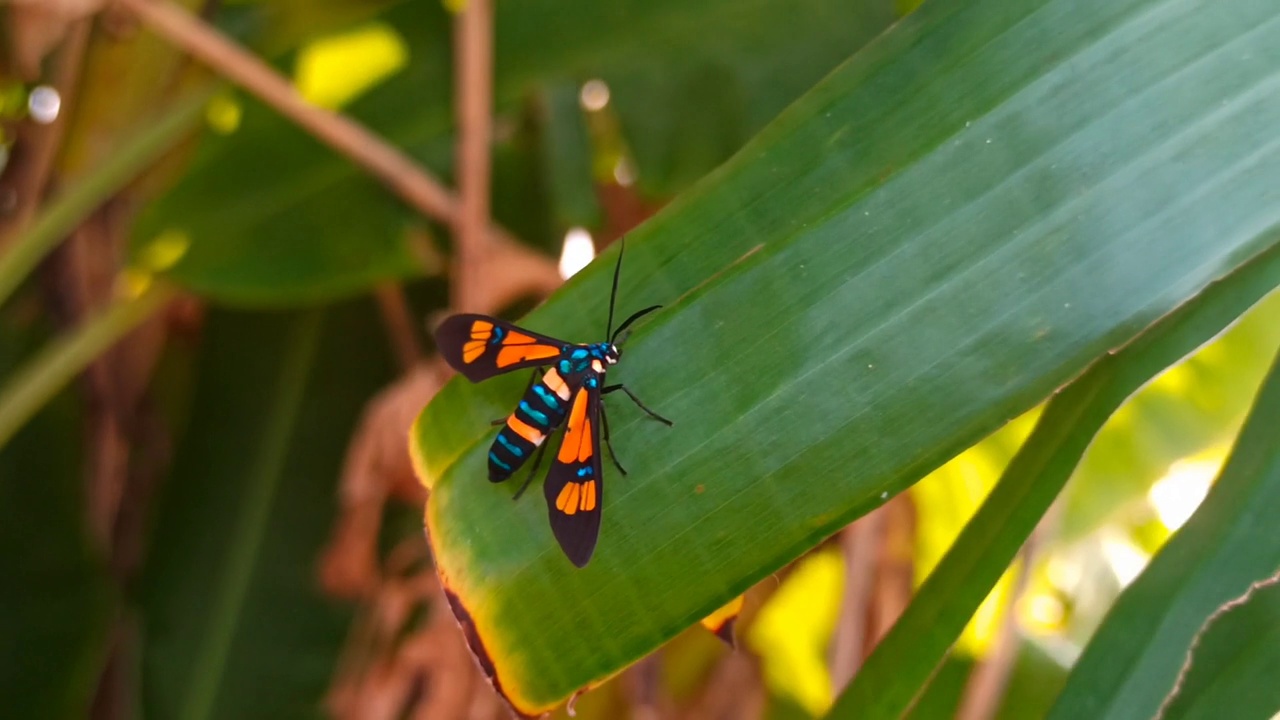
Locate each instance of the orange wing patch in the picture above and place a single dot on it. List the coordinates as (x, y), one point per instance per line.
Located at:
(481, 331)
(567, 500)
(576, 446)
(512, 354)
(576, 497)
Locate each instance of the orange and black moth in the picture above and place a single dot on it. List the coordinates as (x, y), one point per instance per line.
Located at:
(566, 389)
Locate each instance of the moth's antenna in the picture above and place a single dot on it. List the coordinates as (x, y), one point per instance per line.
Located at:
(613, 295)
(627, 323)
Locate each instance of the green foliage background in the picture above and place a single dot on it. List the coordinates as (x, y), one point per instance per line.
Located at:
(941, 223)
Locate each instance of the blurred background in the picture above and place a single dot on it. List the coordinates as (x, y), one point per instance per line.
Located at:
(206, 503)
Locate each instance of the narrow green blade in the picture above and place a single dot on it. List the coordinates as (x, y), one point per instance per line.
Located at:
(1134, 658)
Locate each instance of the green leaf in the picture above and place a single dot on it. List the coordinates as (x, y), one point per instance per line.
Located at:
(1234, 661)
(235, 625)
(57, 600)
(313, 226)
(904, 659)
(1135, 656)
(953, 224)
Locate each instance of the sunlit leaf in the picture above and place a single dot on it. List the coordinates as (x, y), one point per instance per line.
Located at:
(793, 629)
(1135, 657)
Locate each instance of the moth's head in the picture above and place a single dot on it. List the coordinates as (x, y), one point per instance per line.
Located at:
(611, 353)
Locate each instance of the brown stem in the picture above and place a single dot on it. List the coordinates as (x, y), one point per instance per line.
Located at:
(398, 318)
(473, 43)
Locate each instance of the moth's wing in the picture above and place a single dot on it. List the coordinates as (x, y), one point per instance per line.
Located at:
(573, 488)
(479, 346)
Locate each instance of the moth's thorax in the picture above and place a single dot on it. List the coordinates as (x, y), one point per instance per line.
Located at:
(595, 358)
(608, 352)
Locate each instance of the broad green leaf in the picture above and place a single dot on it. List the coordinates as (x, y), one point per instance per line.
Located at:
(56, 600)
(1234, 661)
(902, 662)
(1134, 658)
(234, 621)
(270, 216)
(950, 226)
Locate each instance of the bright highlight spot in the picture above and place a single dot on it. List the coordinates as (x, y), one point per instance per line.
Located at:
(623, 173)
(131, 283)
(223, 114)
(1042, 611)
(1127, 560)
(1065, 573)
(578, 251)
(165, 250)
(594, 95)
(1176, 496)
(334, 70)
(44, 103)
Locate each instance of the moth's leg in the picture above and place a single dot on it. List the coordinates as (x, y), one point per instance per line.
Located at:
(610, 388)
(537, 460)
(604, 423)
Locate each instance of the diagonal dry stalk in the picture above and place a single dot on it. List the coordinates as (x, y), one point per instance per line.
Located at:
(503, 269)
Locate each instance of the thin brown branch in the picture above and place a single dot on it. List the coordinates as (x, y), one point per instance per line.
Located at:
(473, 88)
(398, 318)
(398, 172)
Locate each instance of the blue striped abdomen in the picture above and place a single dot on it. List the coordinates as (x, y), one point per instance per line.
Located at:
(540, 411)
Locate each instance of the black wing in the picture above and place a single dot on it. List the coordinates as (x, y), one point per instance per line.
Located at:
(573, 488)
(480, 346)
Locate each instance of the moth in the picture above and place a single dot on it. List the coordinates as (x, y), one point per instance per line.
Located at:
(567, 388)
